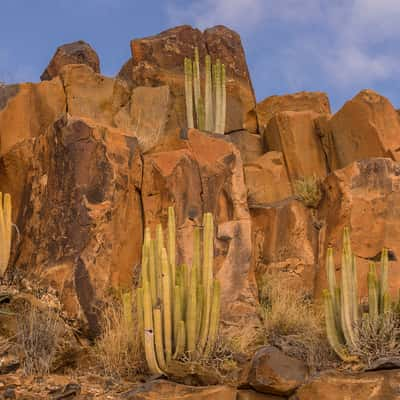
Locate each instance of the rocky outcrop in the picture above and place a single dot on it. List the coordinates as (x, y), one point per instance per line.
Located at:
(249, 144)
(294, 134)
(362, 386)
(27, 110)
(363, 196)
(273, 372)
(366, 126)
(158, 60)
(285, 242)
(78, 52)
(252, 395)
(317, 102)
(195, 180)
(267, 180)
(77, 206)
(164, 390)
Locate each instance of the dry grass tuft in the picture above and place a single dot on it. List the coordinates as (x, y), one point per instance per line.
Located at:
(294, 323)
(377, 338)
(39, 333)
(308, 191)
(118, 350)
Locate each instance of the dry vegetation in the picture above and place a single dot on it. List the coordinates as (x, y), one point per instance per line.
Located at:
(118, 350)
(39, 334)
(294, 323)
(308, 190)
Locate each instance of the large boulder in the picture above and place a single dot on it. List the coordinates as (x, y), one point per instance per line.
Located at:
(267, 180)
(253, 395)
(76, 196)
(249, 144)
(302, 101)
(164, 390)
(276, 373)
(285, 243)
(158, 60)
(364, 196)
(382, 385)
(206, 175)
(27, 110)
(366, 126)
(78, 52)
(294, 134)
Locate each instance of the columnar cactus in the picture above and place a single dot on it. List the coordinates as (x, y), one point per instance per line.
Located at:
(5, 231)
(208, 118)
(342, 303)
(178, 307)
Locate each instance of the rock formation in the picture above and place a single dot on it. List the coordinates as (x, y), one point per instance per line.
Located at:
(91, 160)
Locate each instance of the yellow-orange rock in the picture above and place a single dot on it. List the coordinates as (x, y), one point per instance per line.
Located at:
(206, 175)
(302, 101)
(267, 180)
(364, 196)
(27, 110)
(77, 206)
(253, 395)
(366, 126)
(285, 242)
(249, 144)
(164, 390)
(294, 134)
(78, 52)
(381, 385)
(158, 60)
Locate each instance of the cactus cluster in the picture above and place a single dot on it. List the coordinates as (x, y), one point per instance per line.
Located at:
(342, 308)
(209, 112)
(178, 307)
(5, 231)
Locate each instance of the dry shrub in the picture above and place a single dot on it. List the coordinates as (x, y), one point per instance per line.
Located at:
(377, 337)
(294, 323)
(118, 350)
(39, 333)
(308, 190)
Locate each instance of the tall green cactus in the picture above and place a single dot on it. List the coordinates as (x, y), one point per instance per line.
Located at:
(210, 110)
(5, 231)
(342, 303)
(178, 307)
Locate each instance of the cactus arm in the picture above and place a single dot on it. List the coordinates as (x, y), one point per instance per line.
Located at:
(214, 318)
(223, 99)
(180, 344)
(5, 231)
(200, 306)
(172, 243)
(383, 281)
(158, 337)
(354, 281)
(152, 273)
(372, 292)
(191, 317)
(196, 252)
(347, 293)
(140, 311)
(149, 331)
(208, 98)
(189, 92)
(166, 302)
(218, 97)
(332, 333)
(200, 114)
(177, 315)
(196, 83)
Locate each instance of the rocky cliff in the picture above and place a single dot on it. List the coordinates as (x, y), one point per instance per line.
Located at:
(91, 160)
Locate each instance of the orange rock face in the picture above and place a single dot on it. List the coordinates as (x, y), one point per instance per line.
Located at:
(158, 60)
(302, 101)
(72, 53)
(366, 126)
(363, 196)
(78, 210)
(27, 110)
(294, 134)
(196, 180)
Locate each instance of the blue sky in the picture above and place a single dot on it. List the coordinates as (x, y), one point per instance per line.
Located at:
(336, 46)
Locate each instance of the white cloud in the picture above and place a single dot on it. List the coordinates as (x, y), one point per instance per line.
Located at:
(348, 41)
